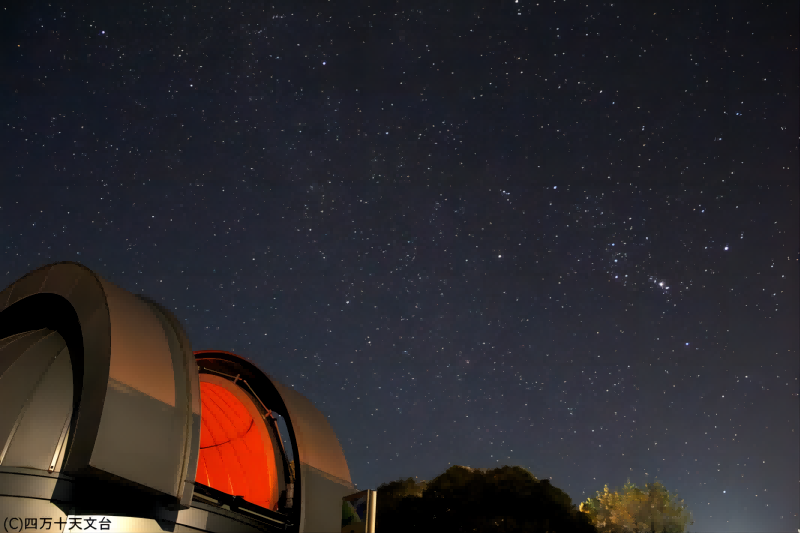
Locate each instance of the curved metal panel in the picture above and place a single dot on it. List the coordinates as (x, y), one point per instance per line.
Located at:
(236, 459)
(187, 396)
(26, 361)
(317, 443)
(141, 431)
(146, 425)
(15, 345)
(323, 476)
(35, 442)
(135, 400)
(68, 298)
(140, 356)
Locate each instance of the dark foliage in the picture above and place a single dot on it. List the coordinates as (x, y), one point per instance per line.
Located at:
(508, 499)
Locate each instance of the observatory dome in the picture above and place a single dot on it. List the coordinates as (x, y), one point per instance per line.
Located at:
(108, 411)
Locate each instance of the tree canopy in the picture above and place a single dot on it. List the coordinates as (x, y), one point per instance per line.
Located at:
(465, 499)
(634, 510)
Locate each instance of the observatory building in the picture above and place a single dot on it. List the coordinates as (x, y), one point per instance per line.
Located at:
(109, 421)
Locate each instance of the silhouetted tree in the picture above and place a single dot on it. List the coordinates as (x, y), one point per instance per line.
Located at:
(508, 499)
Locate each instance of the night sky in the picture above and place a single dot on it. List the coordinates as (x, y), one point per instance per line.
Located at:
(560, 235)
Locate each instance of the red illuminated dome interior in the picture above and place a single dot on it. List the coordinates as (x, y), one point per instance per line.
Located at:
(235, 458)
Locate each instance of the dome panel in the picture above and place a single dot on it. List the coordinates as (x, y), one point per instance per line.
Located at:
(187, 390)
(236, 453)
(321, 449)
(37, 439)
(26, 360)
(30, 283)
(135, 397)
(8, 340)
(321, 476)
(137, 439)
(139, 357)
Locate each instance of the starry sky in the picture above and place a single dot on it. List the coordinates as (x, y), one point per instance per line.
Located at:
(561, 235)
